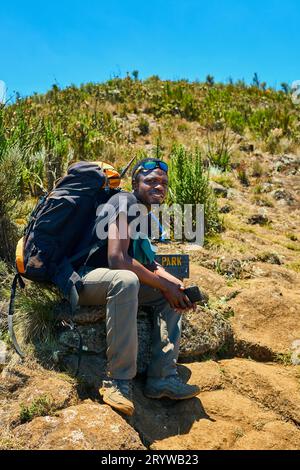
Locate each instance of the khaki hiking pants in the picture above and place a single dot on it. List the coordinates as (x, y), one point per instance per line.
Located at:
(122, 293)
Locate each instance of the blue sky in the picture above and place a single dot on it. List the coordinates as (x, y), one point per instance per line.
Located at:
(75, 41)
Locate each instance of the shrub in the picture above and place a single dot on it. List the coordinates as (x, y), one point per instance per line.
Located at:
(41, 406)
(220, 148)
(257, 169)
(144, 126)
(273, 141)
(35, 319)
(189, 184)
(210, 80)
(242, 174)
(236, 121)
(10, 174)
(225, 180)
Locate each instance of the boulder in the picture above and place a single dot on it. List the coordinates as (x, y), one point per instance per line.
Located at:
(247, 147)
(218, 189)
(258, 219)
(32, 389)
(283, 196)
(274, 386)
(233, 411)
(287, 164)
(87, 426)
(229, 267)
(271, 258)
(94, 341)
(295, 359)
(204, 332)
(225, 209)
(267, 315)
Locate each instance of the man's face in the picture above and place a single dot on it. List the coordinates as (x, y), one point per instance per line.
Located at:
(151, 187)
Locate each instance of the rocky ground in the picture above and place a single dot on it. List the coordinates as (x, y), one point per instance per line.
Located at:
(242, 347)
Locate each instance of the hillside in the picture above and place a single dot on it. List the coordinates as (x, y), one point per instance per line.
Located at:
(242, 347)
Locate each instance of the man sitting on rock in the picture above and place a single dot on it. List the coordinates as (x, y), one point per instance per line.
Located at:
(125, 281)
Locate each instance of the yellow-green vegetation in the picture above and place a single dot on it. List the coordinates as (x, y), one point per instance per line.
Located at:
(214, 241)
(234, 223)
(6, 277)
(284, 359)
(292, 236)
(9, 441)
(293, 246)
(41, 134)
(35, 319)
(262, 201)
(41, 406)
(294, 266)
(225, 179)
(189, 182)
(257, 169)
(221, 306)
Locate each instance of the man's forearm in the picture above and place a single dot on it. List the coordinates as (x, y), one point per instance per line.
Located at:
(145, 276)
(163, 274)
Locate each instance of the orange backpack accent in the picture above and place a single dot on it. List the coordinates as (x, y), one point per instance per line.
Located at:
(20, 256)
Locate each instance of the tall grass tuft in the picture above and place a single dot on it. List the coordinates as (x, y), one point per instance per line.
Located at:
(10, 173)
(35, 318)
(220, 147)
(189, 184)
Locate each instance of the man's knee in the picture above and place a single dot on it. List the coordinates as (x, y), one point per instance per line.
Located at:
(127, 280)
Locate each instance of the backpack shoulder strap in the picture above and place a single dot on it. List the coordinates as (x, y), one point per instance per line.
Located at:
(17, 280)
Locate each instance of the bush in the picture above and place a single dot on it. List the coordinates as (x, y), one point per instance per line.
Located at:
(189, 184)
(144, 126)
(10, 174)
(242, 174)
(257, 169)
(35, 319)
(220, 148)
(236, 121)
(41, 406)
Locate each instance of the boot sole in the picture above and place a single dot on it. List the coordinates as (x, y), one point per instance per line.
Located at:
(117, 406)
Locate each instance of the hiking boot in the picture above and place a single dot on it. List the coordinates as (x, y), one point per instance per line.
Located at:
(118, 394)
(171, 387)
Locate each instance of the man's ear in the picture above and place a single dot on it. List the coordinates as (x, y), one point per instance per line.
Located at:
(134, 185)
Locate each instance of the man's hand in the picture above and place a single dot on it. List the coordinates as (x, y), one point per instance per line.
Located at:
(173, 293)
(170, 283)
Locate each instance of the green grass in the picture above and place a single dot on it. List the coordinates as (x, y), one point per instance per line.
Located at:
(41, 406)
(214, 241)
(262, 201)
(284, 359)
(34, 318)
(293, 246)
(294, 266)
(90, 121)
(292, 237)
(225, 179)
(257, 169)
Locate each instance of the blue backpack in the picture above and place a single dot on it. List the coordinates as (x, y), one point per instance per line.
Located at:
(60, 223)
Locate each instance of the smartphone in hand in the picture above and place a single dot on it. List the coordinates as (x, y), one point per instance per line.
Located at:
(194, 294)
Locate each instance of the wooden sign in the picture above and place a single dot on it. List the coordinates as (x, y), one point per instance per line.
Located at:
(177, 265)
